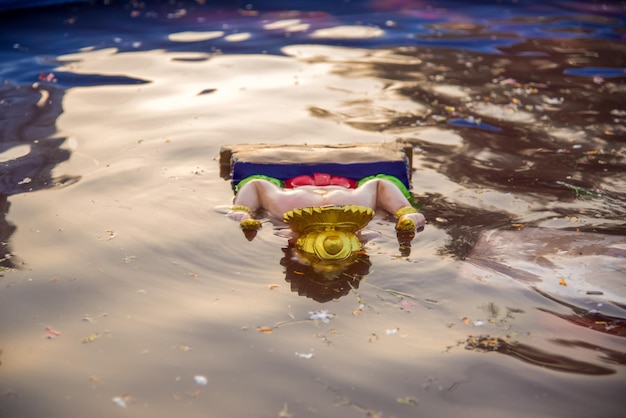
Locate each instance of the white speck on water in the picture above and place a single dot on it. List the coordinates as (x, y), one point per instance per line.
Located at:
(306, 356)
(323, 316)
(201, 380)
(119, 401)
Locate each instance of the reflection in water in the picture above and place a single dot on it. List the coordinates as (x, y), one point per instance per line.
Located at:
(545, 142)
(323, 286)
(608, 355)
(527, 126)
(27, 122)
(528, 129)
(590, 319)
(535, 356)
(462, 223)
(6, 230)
(532, 254)
(305, 281)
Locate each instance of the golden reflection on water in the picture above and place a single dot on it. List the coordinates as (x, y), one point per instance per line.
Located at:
(149, 286)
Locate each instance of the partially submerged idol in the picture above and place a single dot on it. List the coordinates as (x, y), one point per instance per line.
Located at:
(325, 194)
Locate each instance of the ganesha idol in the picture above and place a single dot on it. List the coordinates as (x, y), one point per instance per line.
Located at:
(326, 195)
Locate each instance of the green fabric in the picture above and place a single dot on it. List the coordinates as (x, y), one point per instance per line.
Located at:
(392, 179)
(259, 177)
(396, 181)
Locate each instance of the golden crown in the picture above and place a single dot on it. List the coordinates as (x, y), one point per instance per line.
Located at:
(349, 218)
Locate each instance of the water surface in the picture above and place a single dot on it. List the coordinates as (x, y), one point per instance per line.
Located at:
(126, 292)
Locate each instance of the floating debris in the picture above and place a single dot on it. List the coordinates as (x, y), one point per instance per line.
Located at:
(484, 342)
(284, 413)
(52, 333)
(553, 100)
(201, 380)
(122, 401)
(206, 91)
(392, 331)
(177, 14)
(323, 316)
(306, 356)
(580, 191)
(473, 123)
(91, 338)
(91, 319)
(407, 400)
(266, 330)
(407, 304)
(50, 78)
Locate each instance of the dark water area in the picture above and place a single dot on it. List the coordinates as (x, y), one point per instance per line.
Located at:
(124, 290)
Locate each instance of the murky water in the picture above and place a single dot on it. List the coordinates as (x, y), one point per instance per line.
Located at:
(126, 292)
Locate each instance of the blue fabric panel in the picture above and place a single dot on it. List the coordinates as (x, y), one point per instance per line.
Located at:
(355, 171)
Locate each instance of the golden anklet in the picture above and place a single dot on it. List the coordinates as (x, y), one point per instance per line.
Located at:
(406, 225)
(242, 208)
(405, 210)
(250, 223)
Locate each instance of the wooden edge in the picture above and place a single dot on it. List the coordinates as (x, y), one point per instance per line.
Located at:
(297, 154)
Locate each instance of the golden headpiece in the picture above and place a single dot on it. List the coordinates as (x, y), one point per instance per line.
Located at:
(349, 218)
(327, 236)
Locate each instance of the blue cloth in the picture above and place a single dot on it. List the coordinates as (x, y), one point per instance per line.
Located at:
(355, 171)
